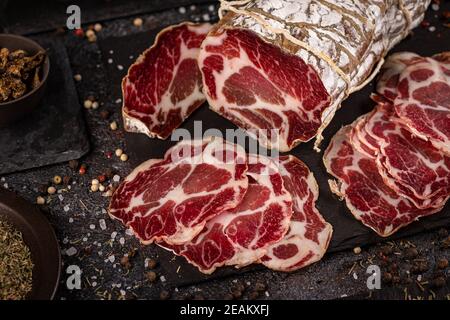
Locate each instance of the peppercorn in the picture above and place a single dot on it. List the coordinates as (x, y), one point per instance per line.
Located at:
(57, 179)
(411, 253)
(94, 187)
(51, 190)
(101, 188)
(387, 277)
(151, 264)
(78, 77)
(164, 295)
(138, 22)
(357, 250)
(260, 286)
(113, 126)
(253, 295)
(87, 104)
(124, 157)
(387, 250)
(66, 180)
(228, 296)
(43, 188)
(73, 164)
(109, 173)
(40, 200)
(79, 33)
(82, 169)
(151, 276)
(98, 27)
(125, 262)
(104, 114)
(442, 263)
(236, 293)
(438, 282)
(118, 152)
(101, 178)
(95, 105)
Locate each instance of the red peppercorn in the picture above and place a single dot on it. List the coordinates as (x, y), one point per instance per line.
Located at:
(79, 33)
(82, 170)
(108, 154)
(101, 178)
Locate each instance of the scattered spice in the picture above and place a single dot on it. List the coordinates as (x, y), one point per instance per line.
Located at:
(118, 152)
(113, 126)
(442, 263)
(411, 253)
(78, 77)
(138, 22)
(82, 169)
(73, 164)
(88, 104)
(104, 114)
(67, 180)
(164, 295)
(57, 179)
(357, 250)
(124, 157)
(98, 27)
(151, 263)
(16, 266)
(151, 276)
(438, 282)
(40, 200)
(51, 190)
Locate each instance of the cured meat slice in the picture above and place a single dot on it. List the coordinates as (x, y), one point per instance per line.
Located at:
(309, 234)
(407, 160)
(280, 69)
(240, 236)
(422, 98)
(172, 199)
(367, 196)
(163, 87)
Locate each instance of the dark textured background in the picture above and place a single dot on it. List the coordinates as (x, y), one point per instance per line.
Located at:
(76, 212)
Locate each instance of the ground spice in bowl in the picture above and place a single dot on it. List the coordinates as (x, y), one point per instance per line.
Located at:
(16, 265)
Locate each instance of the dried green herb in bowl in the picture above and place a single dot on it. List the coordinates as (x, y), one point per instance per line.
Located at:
(16, 266)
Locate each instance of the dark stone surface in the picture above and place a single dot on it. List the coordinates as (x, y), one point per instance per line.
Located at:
(77, 214)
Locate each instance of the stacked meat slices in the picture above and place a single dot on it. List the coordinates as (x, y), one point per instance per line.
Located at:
(214, 205)
(393, 164)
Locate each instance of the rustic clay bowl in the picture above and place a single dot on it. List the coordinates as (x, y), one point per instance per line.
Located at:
(15, 109)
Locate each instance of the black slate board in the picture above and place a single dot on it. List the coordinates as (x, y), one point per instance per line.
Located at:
(55, 131)
(348, 232)
(41, 16)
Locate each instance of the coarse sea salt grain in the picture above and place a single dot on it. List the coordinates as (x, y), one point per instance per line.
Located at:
(70, 220)
(212, 8)
(192, 8)
(60, 197)
(182, 10)
(113, 235)
(71, 251)
(102, 224)
(92, 226)
(116, 178)
(110, 61)
(206, 17)
(66, 208)
(120, 67)
(122, 241)
(129, 232)
(162, 278)
(85, 239)
(119, 101)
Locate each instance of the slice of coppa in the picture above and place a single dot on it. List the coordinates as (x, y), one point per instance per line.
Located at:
(172, 199)
(240, 236)
(419, 88)
(280, 69)
(164, 86)
(309, 234)
(367, 196)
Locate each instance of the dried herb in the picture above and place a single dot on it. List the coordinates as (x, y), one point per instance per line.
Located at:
(19, 73)
(16, 265)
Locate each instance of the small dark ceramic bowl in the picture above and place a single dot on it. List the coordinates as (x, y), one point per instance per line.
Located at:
(15, 109)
